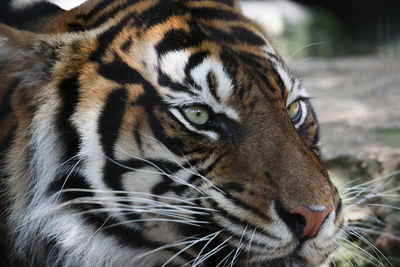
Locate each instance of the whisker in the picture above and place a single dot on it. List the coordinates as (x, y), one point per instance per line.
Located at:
(99, 191)
(214, 251)
(178, 243)
(249, 248)
(198, 260)
(238, 248)
(188, 222)
(192, 170)
(186, 248)
(304, 47)
(225, 259)
(172, 177)
(377, 252)
(371, 258)
(374, 232)
(65, 162)
(66, 179)
(348, 250)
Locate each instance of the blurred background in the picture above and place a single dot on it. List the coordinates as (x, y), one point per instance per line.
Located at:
(347, 53)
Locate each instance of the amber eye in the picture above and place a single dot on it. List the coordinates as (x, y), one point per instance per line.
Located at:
(294, 111)
(197, 114)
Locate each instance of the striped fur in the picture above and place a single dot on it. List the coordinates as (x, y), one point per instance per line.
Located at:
(100, 166)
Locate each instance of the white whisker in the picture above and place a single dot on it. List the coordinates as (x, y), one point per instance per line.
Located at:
(186, 248)
(377, 252)
(192, 170)
(214, 251)
(178, 243)
(66, 179)
(249, 248)
(198, 260)
(238, 248)
(303, 47)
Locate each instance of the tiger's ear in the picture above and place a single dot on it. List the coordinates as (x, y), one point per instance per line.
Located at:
(32, 55)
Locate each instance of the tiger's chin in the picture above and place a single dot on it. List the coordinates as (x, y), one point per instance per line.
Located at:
(294, 259)
(289, 261)
(306, 253)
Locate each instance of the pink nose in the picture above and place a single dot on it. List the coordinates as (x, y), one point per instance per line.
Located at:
(313, 219)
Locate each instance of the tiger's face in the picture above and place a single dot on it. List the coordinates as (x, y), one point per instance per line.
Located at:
(193, 144)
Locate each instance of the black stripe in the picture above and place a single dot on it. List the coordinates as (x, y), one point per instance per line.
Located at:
(237, 220)
(232, 186)
(247, 36)
(194, 60)
(106, 38)
(107, 16)
(219, 36)
(244, 91)
(230, 3)
(111, 118)
(230, 65)
(126, 45)
(265, 79)
(138, 138)
(149, 100)
(96, 9)
(278, 80)
(212, 166)
(7, 141)
(274, 56)
(339, 206)
(247, 207)
(158, 14)
(70, 179)
(252, 60)
(212, 82)
(27, 17)
(128, 236)
(179, 39)
(5, 105)
(118, 71)
(165, 80)
(75, 27)
(209, 13)
(68, 90)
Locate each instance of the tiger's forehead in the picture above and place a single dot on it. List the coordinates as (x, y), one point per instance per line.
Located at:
(194, 57)
(201, 77)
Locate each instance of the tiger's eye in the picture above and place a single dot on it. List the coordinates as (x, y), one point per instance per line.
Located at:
(294, 111)
(196, 114)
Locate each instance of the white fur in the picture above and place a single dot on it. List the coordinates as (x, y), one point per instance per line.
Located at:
(173, 64)
(224, 89)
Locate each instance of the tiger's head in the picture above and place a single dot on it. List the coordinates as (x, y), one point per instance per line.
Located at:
(164, 133)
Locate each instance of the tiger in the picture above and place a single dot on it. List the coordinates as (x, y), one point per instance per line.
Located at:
(156, 133)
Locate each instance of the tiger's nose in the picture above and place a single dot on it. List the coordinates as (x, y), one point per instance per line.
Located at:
(308, 221)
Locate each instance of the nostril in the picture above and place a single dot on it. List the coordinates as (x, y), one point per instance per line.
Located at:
(303, 221)
(313, 219)
(296, 222)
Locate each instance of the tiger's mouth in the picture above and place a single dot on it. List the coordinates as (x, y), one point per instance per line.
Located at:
(292, 251)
